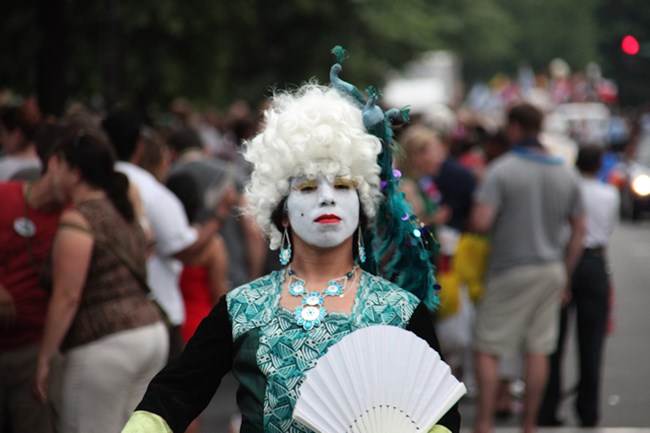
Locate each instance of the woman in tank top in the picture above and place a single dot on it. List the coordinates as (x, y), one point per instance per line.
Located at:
(99, 316)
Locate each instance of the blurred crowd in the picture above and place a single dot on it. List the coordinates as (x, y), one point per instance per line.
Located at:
(117, 209)
(194, 243)
(505, 206)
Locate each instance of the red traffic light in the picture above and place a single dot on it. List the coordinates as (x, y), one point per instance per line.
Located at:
(630, 45)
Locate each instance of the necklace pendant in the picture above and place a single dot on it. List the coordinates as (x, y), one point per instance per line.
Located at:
(310, 316)
(311, 313)
(312, 299)
(334, 288)
(297, 288)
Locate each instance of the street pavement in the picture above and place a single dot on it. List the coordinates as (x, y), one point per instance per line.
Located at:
(626, 376)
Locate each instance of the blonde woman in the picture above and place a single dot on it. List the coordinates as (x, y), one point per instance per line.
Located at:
(423, 154)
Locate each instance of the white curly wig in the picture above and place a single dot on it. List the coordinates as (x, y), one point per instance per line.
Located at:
(306, 132)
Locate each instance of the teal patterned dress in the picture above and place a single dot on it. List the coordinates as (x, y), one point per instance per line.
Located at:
(269, 353)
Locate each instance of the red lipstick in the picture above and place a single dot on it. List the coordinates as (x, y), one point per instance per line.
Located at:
(327, 219)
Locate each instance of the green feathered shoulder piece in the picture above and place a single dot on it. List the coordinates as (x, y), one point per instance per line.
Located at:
(399, 247)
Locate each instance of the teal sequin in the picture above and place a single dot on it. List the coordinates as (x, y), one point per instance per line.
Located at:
(286, 350)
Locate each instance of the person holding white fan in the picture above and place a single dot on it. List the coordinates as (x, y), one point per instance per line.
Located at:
(323, 190)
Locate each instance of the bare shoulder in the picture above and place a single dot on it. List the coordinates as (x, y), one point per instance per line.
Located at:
(72, 219)
(72, 215)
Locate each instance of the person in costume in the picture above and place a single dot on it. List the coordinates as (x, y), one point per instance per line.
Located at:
(320, 195)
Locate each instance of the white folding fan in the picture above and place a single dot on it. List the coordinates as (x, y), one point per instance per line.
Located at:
(379, 379)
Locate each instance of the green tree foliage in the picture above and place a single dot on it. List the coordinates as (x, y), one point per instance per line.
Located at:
(554, 28)
(482, 34)
(216, 51)
(19, 41)
(619, 18)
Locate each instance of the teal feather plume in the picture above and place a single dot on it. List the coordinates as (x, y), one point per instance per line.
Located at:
(343, 87)
(398, 236)
(340, 53)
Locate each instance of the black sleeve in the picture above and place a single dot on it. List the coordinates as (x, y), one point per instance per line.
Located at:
(181, 391)
(422, 326)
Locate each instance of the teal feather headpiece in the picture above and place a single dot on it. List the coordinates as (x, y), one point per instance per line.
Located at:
(399, 247)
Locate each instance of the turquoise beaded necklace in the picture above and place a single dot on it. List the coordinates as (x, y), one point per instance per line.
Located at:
(312, 312)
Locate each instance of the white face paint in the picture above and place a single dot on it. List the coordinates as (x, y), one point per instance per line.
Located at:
(323, 212)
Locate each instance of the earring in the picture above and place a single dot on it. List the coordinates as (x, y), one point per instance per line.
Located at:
(285, 253)
(362, 248)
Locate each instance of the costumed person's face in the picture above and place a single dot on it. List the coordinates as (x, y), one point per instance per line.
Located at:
(323, 212)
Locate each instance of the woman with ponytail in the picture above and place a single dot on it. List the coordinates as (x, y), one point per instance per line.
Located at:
(100, 316)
